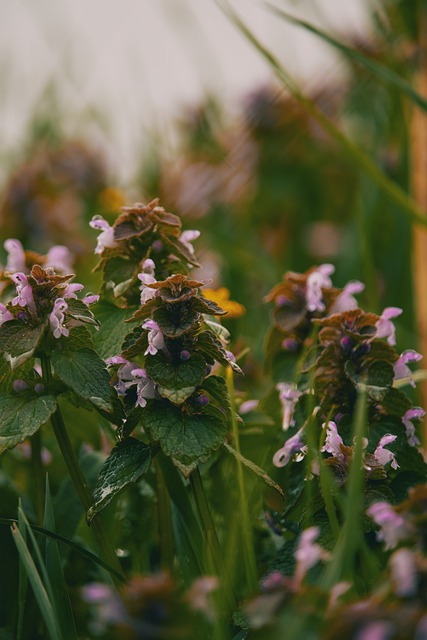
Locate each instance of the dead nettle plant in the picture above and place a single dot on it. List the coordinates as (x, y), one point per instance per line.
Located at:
(168, 370)
(47, 353)
(349, 429)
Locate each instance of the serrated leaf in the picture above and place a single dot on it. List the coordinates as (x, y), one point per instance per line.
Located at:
(176, 321)
(79, 311)
(21, 416)
(18, 341)
(209, 345)
(217, 388)
(84, 373)
(177, 396)
(79, 338)
(176, 374)
(126, 464)
(135, 342)
(178, 249)
(113, 330)
(209, 307)
(187, 438)
(395, 402)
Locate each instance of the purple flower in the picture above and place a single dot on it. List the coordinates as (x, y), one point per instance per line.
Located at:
(60, 259)
(57, 318)
(20, 385)
(291, 446)
(333, 441)
(288, 396)
(5, 314)
(145, 388)
(16, 258)
(248, 406)
(411, 414)
(385, 328)
(403, 569)
(377, 630)
(155, 337)
(401, 369)
(346, 300)
(290, 344)
(25, 293)
(91, 298)
(187, 237)
(384, 456)
(393, 527)
(106, 237)
(316, 281)
(308, 553)
(70, 290)
(147, 277)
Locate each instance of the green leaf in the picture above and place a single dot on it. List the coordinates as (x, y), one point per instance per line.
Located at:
(84, 373)
(21, 416)
(80, 311)
(176, 321)
(113, 330)
(79, 338)
(216, 387)
(178, 249)
(120, 272)
(188, 438)
(177, 396)
(18, 341)
(203, 305)
(126, 464)
(396, 402)
(212, 348)
(178, 374)
(136, 342)
(376, 68)
(358, 156)
(376, 381)
(260, 473)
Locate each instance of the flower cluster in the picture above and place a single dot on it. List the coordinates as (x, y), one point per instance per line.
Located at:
(142, 239)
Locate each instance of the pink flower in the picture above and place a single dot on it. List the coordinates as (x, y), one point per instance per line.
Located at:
(16, 258)
(248, 406)
(401, 369)
(333, 441)
(308, 553)
(383, 456)
(411, 414)
(70, 290)
(5, 314)
(91, 298)
(403, 569)
(393, 527)
(187, 237)
(106, 237)
(57, 318)
(145, 388)
(316, 281)
(25, 293)
(129, 375)
(291, 446)
(60, 259)
(288, 396)
(147, 277)
(155, 337)
(346, 300)
(385, 328)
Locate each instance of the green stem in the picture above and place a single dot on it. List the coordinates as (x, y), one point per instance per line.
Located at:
(211, 536)
(167, 551)
(246, 528)
(78, 479)
(37, 476)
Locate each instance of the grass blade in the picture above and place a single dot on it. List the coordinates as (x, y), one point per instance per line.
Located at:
(37, 585)
(54, 568)
(376, 68)
(357, 155)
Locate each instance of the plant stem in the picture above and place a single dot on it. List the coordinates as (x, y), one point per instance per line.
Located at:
(37, 476)
(211, 535)
(167, 552)
(246, 525)
(79, 481)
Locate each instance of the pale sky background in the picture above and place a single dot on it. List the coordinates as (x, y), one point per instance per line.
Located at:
(139, 62)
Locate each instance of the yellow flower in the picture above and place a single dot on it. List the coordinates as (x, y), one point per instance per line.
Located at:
(222, 297)
(111, 199)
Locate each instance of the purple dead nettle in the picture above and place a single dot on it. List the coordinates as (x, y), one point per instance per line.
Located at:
(393, 527)
(333, 441)
(59, 258)
(346, 300)
(130, 374)
(5, 314)
(385, 327)
(316, 281)
(16, 256)
(289, 396)
(57, 318)
(106, 237)
(187, 237)
(403, 569)
(401, 369)
(407, 418)
(384, 456)
(293, 445)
